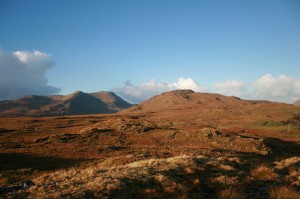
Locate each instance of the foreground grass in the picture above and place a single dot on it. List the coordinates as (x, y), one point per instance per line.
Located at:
(231, 193)
(183, 176)
(283, 192)
(263, 172)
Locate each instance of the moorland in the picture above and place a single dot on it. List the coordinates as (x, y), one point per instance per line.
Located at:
(180, 144)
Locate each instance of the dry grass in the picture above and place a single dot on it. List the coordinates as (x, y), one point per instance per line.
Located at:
(294, 171)
(3, 181)
(231, 193)
(283, 192)
(226, 167)
(287, 162)
(293, 176)
(182, 176)
(176, 160)
(263, 172)
(172, 177)
(140, 178)
(225, 180)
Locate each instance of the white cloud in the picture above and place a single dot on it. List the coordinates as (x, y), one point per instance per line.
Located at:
(267, 87)
(186, 83)
(33, 57)
(24, 73)
(232, 87)
(281, 88)
(138, 93)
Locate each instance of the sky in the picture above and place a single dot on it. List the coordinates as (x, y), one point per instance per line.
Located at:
(140, 48)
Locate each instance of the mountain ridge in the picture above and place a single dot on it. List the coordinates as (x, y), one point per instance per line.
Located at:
(76, 103)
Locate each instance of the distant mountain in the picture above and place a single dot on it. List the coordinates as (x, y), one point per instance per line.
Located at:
(72, 104)
(297, 102)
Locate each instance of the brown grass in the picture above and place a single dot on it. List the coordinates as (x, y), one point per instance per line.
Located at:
(134, 176)
(231, 193)
(294, 171)
(226, 167)
(287, 162)
(263, 172)
(3, 181)
(283, 192)
(165, 153)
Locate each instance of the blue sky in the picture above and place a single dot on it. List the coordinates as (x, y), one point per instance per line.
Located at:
(98, 45)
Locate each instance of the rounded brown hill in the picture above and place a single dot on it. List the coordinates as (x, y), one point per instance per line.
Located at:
(208, 109)
(188, 99)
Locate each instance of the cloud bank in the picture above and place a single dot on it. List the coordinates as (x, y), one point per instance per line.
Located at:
(268, 87)
(232, 87)
(24, 73)
(136, 94)
(281, 88)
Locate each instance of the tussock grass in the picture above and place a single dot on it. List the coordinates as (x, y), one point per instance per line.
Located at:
(225, 180)
(3, 181)
(141, 178)
(283, 192)
(263, 172)
(287, 162)
(231, 193)
(294, 171)
(226, 167)
(182, 176)
(174, 177)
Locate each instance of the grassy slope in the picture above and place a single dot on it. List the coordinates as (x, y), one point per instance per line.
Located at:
(154, 154)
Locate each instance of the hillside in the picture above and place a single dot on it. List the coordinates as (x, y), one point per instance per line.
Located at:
(207, 109)
(72, 104)
(188, 99)
(297, 102)
(180, 144)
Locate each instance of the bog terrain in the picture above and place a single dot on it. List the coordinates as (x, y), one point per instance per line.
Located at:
(180, 144)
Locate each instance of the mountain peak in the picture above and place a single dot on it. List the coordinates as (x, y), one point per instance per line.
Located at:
(113, 100)
(77, 93)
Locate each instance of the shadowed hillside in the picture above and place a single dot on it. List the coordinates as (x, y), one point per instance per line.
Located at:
(73, 104)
